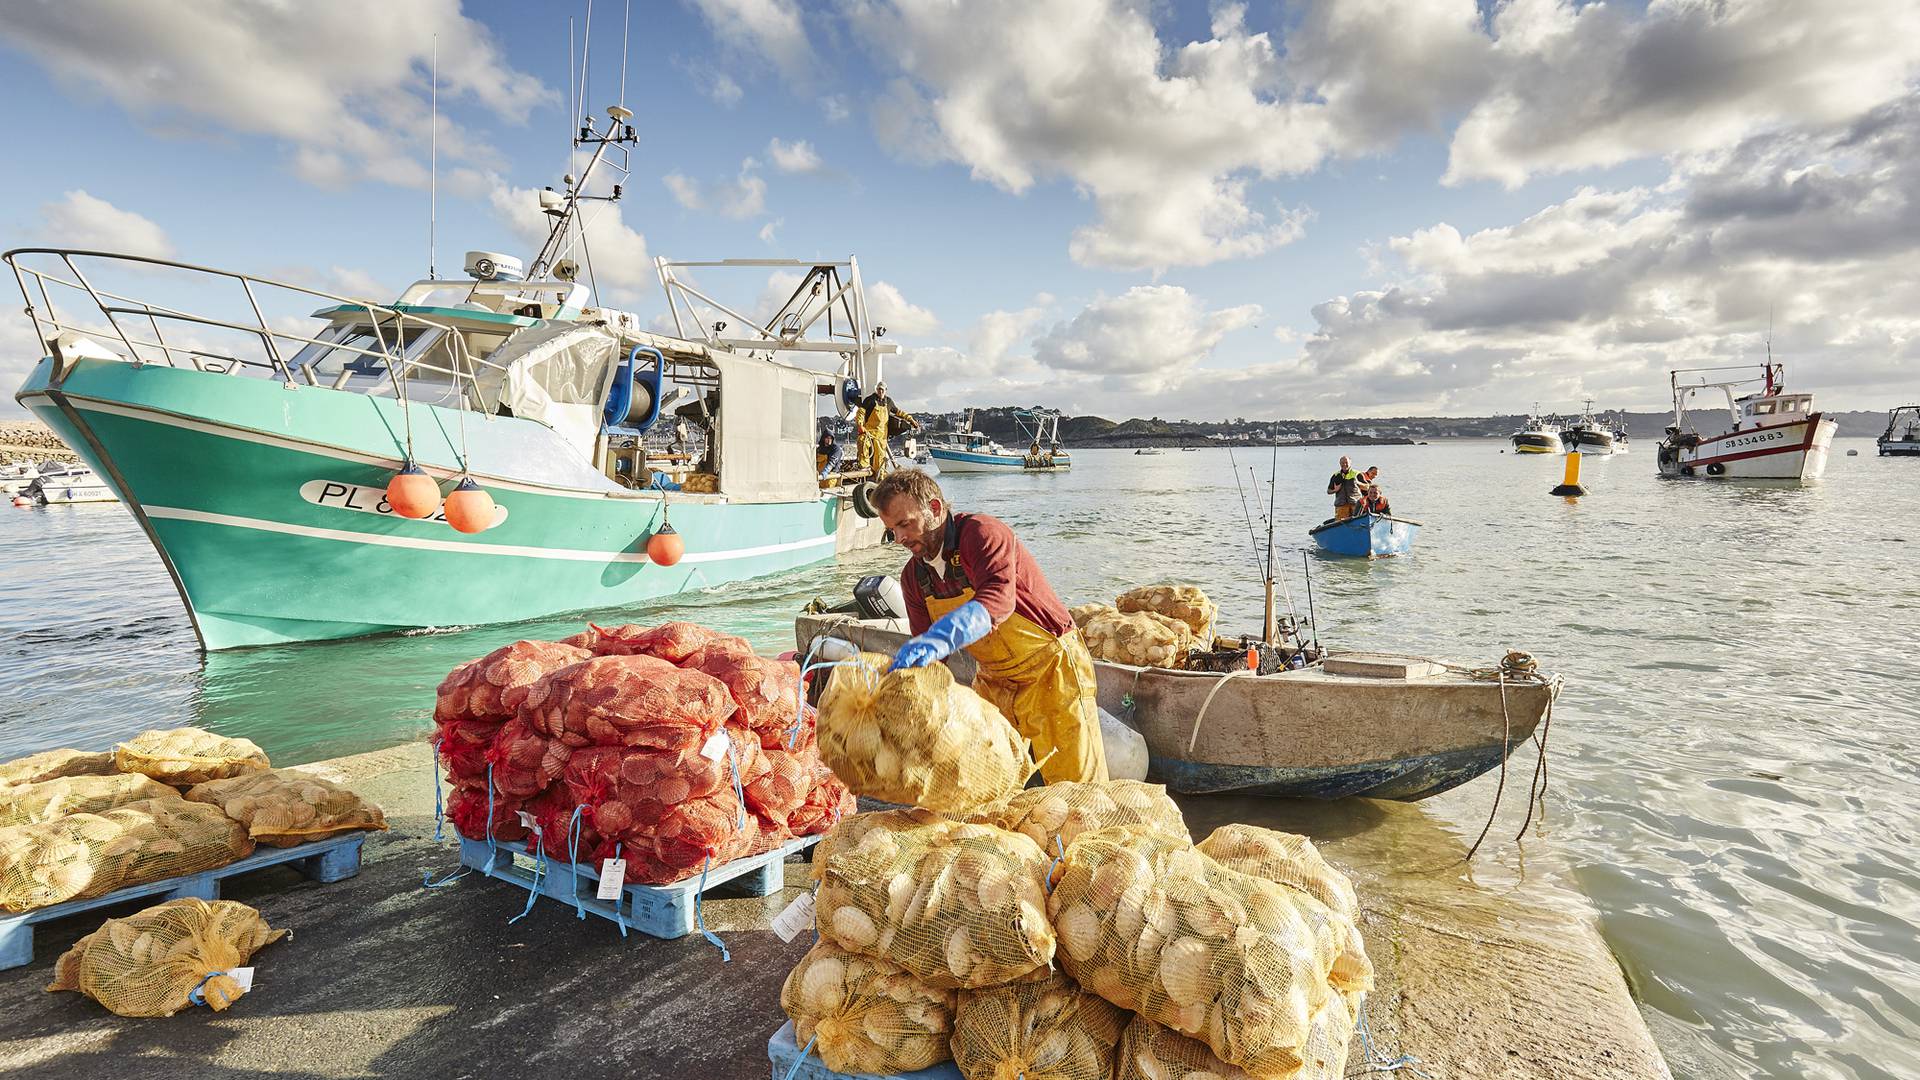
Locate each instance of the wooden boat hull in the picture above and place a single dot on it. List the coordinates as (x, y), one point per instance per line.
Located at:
(1300, 734)
(1369, 536)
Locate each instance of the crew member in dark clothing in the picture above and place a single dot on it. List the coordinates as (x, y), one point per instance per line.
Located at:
(1344, 486)
(826, 455)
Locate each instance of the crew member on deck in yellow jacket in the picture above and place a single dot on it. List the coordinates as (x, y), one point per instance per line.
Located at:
(871, 420)
(972, 583)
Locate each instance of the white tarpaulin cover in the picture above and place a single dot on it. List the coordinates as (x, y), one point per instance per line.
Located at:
(559, 375)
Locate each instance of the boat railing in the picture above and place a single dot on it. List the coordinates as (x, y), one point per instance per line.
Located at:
(129, 319)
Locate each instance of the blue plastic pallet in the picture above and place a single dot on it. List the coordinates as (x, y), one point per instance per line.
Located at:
(783, 1051)
(332, 859)
(662, 911)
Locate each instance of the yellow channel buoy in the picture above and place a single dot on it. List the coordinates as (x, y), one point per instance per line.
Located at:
(1570, 483)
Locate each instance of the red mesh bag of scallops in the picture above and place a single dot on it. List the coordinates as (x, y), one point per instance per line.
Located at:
(467, 810)
(634, 701)
(523, 762)
(765, 691)
(672, 642)
(477, 697)
(492, 687)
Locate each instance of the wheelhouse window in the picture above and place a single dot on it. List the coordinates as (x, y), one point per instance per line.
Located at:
(1761, 408)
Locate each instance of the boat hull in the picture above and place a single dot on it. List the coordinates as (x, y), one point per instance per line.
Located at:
(964, 461)
(1591, 443)
(1796, 451)
(1900, 448)
(265, 504)
(1299, 734)
(1538, 442)
(1369, 536)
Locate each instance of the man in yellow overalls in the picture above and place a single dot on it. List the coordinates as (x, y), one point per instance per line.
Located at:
(871, 420)
(973, 584)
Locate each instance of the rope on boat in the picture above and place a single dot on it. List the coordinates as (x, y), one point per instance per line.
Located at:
(1194, 735)
(1516, 667)
(1506, 744)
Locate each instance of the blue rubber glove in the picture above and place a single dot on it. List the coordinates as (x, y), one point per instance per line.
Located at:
(956, 629)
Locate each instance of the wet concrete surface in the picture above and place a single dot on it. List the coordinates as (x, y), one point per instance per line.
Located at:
(382, 977)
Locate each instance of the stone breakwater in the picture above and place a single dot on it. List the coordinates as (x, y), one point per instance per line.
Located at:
(30, 438)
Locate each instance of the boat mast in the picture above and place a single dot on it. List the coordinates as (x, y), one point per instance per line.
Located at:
(1272, 487)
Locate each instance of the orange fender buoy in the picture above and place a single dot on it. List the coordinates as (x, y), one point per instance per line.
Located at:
(665, 547)
(469, 508)
(412, 493)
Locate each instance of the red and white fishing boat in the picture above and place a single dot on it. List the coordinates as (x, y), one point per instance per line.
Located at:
(1767, 434)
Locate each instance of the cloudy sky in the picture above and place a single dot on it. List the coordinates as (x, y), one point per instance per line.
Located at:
(1162, 207)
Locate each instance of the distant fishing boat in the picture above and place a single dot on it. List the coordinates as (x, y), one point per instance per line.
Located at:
(969, 450)
(1148, 450)
(16, 475)
(68, 483)
(1589, 435)
(1902, 437)
(1620, 437)
(1366, 536)
(1373, 725)
(1765, 435)
(1537, 435)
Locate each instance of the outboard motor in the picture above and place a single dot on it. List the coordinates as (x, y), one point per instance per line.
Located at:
(879, 596)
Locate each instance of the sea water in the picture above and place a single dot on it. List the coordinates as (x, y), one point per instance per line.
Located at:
(1733, 762)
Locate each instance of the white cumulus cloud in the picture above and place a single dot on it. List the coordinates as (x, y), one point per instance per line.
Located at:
(344, 85)
(80, 220)
(742, 197)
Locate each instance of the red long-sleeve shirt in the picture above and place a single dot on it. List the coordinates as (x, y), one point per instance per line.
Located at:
(982, 551)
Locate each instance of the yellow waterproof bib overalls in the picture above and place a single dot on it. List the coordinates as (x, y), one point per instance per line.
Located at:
(873, 440)
(1044, 684)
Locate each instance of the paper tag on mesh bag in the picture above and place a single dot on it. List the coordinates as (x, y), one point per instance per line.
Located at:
(613, 876)
(243, 976)
(716, 747)
(797, 917)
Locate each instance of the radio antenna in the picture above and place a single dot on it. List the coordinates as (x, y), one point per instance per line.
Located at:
(433, 169)
(626, 32)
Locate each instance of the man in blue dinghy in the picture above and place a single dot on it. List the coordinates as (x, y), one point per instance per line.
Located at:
(972, 584)
(1344, 486)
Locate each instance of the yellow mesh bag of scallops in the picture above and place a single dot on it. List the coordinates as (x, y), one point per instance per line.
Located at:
(1158, 928)
(284, 807)
(187, 756)
(1150, 1051)
(53, 764)
(1185, 603)
(25, 804)
(1292, 860)
(957, 905)
(1057, 813)
(150, 963)
(1046, 1029)
(865, 1015)
(917, 738)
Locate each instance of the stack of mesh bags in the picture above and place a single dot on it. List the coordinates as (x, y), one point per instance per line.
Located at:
(473, 705)
(933, 940)
(915, 910)
(1151, 626)
(76, 825)
(1238, 956)
(672, 747)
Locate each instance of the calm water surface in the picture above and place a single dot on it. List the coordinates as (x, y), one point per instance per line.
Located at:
(1734, 760)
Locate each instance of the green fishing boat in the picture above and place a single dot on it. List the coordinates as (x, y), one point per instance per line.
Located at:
(256, 449)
